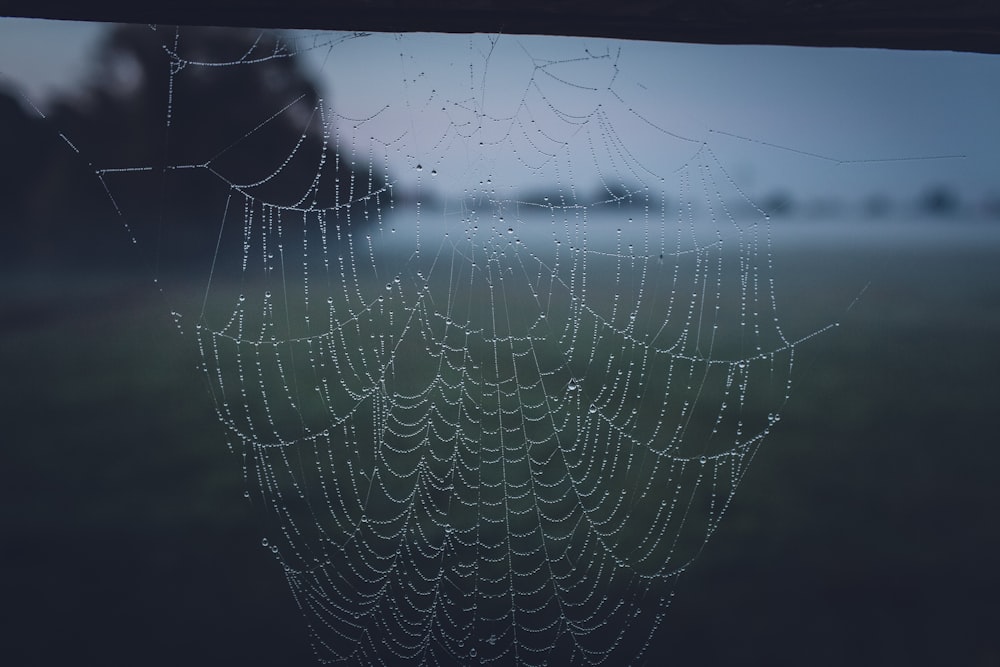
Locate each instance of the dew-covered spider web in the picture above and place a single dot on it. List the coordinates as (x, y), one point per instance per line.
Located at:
(495, 337)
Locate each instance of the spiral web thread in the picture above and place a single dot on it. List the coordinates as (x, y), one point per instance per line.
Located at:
(491, 425)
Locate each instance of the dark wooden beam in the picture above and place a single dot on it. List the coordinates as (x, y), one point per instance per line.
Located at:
(961, 25)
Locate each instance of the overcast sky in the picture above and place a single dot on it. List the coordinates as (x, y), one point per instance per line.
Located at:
(625, 108)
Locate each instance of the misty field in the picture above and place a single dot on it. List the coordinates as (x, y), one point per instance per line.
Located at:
(863, 533)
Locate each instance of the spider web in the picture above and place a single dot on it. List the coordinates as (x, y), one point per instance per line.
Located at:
(498, 367)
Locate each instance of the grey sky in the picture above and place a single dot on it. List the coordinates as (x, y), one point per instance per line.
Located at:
(436, 97)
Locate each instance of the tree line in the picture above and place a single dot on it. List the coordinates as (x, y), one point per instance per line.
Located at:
(170, 125)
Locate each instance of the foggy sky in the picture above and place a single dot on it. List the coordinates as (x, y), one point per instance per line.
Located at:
(815, 122)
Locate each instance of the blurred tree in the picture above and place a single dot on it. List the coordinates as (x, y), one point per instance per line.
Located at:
(991, 206)
(940, 201)
(23, 146)
(778, 204)
(233, 103)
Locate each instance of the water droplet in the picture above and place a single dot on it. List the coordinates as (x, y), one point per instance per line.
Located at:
(593, 408)
(263, 542)
(434, 172)
(242, 298)
(704, 460)
(472, 652)
(388, 286)
(420, 167)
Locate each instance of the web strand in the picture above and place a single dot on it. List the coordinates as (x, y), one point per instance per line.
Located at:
(489, 424)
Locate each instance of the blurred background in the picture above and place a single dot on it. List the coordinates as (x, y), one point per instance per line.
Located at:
(865, 531)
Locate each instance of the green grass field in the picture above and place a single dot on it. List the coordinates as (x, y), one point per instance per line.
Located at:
(864, 533)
